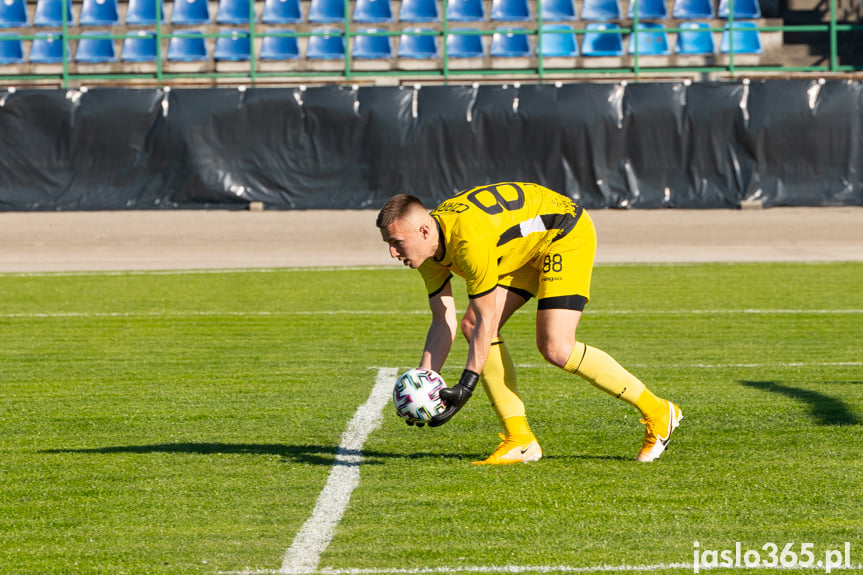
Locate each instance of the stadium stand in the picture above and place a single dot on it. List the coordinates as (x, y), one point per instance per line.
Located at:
(417, 43)
(49, 13)
(558, 10)
(510, 10)
(322, 41)
(693, 9)
(510, 43)
(744, 40)
(47, 48)
(190, 12)
(282, 12)
(650, 39)
(419, 11)
(558, 41)
(11, 49)
(143, 12)
(602, 39)
(465, 11)
(695, 38)
(99, 13)
(13, 13)
(373, 11)
(140, 47)
(95, 48)
(652, 9)
(233, 12)
(188, 47)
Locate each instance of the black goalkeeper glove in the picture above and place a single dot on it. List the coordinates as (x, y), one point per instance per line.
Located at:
(455, 397)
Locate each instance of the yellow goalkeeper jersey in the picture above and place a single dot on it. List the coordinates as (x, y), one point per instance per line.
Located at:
(491, 231)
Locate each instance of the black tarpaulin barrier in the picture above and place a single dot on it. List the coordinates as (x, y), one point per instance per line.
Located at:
(607, 145)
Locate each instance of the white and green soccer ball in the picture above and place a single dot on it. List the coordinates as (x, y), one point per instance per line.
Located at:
(417, 395)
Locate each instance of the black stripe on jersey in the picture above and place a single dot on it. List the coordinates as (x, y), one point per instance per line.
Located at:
(563, 222)
(440, 289)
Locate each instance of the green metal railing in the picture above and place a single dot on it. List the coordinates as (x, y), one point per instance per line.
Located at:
(69, 72)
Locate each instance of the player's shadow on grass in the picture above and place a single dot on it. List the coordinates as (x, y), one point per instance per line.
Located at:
(304, 454)
(825, 410)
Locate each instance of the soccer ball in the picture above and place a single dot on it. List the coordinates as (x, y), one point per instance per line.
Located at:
(417, 395)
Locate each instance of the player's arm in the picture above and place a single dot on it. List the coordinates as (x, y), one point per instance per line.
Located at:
(442, 331)
(485, 327)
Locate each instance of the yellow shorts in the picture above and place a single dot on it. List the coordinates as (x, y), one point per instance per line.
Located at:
(560, 278)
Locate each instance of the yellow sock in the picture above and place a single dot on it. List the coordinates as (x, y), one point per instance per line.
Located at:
(517, 428)
(603, 372)
(499, 381)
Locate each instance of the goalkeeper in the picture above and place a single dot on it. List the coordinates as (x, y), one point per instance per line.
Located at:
(510, 242)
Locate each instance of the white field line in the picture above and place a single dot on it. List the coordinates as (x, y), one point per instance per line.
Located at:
(305, 552)
(718, 365)
(337, 312)
(549, 569)
(184, 272)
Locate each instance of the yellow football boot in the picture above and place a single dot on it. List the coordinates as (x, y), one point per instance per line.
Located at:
(658, 432)
(514, 451)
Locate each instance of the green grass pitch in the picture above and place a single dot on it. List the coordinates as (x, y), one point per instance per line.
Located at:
(174, 423)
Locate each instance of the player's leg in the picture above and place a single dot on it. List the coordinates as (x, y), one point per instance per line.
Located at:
(500, 384)
(562, 299)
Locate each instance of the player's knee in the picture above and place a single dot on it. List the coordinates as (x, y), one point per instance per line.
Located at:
(555, 352)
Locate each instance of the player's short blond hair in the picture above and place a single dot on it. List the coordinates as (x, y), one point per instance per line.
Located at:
(398, 207)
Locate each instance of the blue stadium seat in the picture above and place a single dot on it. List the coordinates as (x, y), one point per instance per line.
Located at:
(465, 11)
(652, 40)
(692, 9)
(328, 45)
(419, 11)
(648, 9)
(11, 49)
(467, 45)
(745, 39)
(510, 43)
(140, 46)
(232, 46)
(742, 9)
(601, 10)
(373, 11)
(418, 45)
(502, 10)
(558, 10)
(50, 13)
(282, 12)
(190, 12)
(557, 41)
(695, 38)
(48, 49)
(143, 12)
(95, 50)
(189, 47)
(369, 47)
(233, 12)
(12, 13)
(599, 43)
(99, 13)
(280, 47)
(323, 11)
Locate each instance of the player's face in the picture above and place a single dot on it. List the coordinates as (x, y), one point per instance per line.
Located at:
(407, 241)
